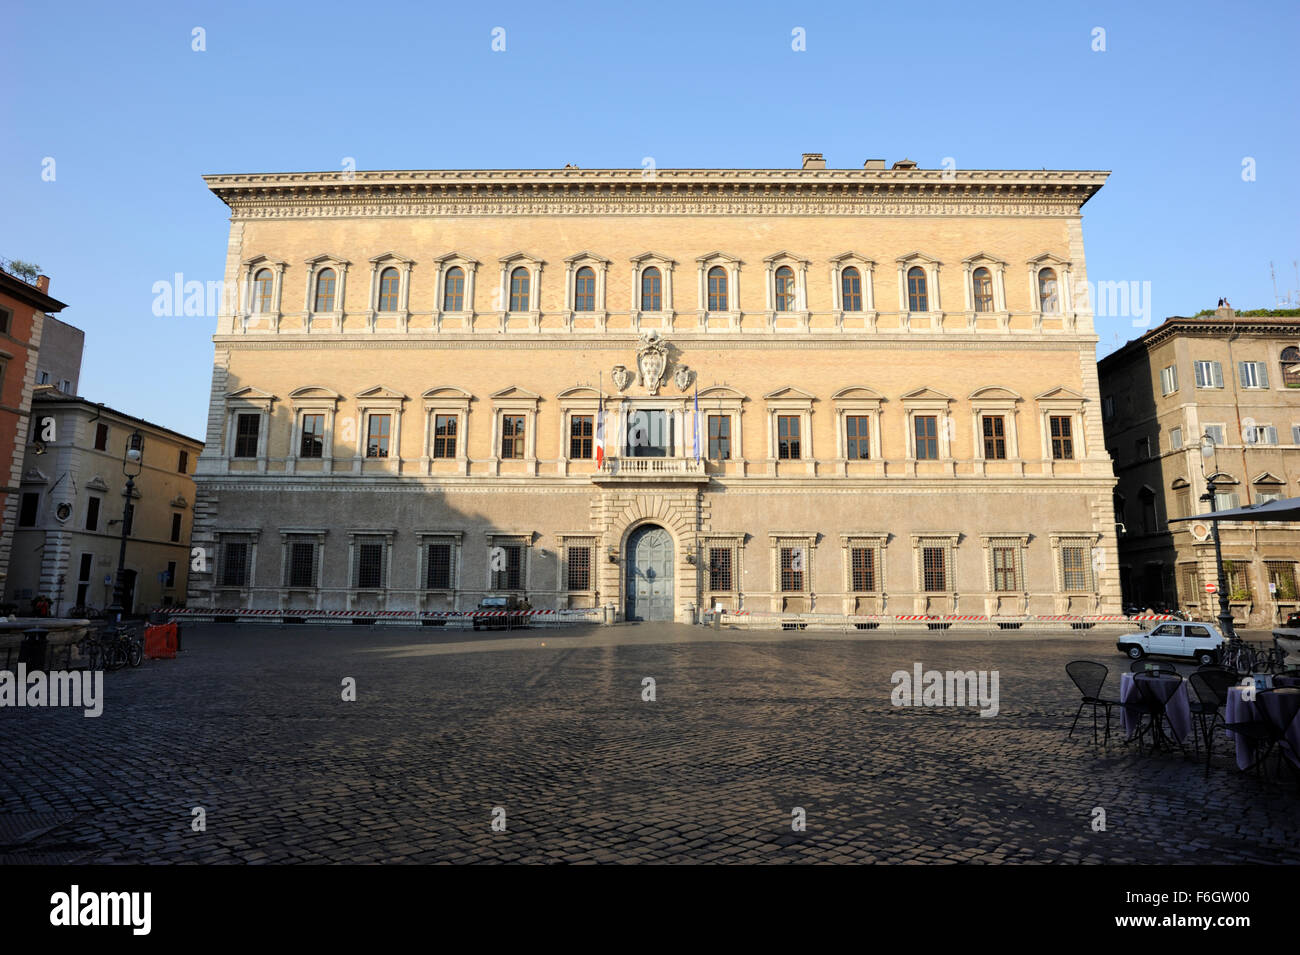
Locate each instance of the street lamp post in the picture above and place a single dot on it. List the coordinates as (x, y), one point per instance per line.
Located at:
(132, 465)
(1225, 614)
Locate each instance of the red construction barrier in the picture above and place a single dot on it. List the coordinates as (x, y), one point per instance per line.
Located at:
(160, 641)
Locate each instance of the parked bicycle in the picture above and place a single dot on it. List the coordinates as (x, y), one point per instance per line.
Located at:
(92, 651)
(121, 646)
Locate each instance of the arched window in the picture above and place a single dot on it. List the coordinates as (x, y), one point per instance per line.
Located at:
(1290, 360)
(983, 282)
(917, 300)
(651, 290)
(851, 289)
(785, 289)
(584, 290)
(1047, 300)
(717, 289)
(325, 282)
(519, 290)
(388, 285)
(262, 286)
(453, 290)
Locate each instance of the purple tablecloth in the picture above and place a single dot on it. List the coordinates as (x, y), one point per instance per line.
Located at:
(1172, 691)
(1281, 707)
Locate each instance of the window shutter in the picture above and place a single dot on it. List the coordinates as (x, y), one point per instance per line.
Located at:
(1243, 374)
(1295, 434)
(1199, 368)
(1262, 370)
(1271, 433)
(1218, 374)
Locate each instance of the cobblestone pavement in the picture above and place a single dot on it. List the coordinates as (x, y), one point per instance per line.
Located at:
(249, 724)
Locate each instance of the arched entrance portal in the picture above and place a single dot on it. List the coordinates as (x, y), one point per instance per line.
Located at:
(649, 579)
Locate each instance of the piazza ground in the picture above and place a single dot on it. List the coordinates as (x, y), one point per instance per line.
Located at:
(249, 724)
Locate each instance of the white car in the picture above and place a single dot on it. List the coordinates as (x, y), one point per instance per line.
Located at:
(1200, 641)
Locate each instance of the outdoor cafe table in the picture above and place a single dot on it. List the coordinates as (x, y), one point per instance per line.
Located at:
(1284, 680)
(1169, 690)
(1281, 707)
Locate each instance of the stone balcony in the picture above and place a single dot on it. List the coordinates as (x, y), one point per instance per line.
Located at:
(651, 470)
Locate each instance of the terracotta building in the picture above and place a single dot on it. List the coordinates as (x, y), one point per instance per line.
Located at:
(830, 390)
(1236, 380)
(23, 309)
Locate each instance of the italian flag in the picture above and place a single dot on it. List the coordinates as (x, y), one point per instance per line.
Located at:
(600, 434)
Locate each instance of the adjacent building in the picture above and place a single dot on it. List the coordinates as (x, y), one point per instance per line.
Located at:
(24, 308)
(73, 494)
(830, 390)
(1234, 380)
(59, 364)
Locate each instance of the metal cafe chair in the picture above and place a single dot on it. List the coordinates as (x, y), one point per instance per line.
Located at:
(1150, 705)
(1262, 735)
(1150, 666)
(1210, 687)
(1090, 677)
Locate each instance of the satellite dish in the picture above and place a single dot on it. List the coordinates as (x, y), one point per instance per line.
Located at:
(1200, 531)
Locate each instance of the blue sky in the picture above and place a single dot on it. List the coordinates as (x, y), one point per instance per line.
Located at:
(133, 117)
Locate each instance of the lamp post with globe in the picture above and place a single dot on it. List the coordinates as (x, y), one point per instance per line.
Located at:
(1210, 450)
(132, 465)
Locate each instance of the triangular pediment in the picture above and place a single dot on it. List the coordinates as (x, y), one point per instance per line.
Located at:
(179, 501)
(250, 393)
(391, 256)
(1062, 393)
(718, 256)
(380, 391)
(586, 256)
(515, 391)
(1048, 258)
(995, 391)
(97, 483)
(927, 394)
(34, 476)
(787, 256)
(859, 391)
(982, 258)
(455, 256)
(916, 258)
(519, 255)
(852, 256)
(257, 260)
(789, 392)
(325, 258)
(1268, 478)
(652, 257)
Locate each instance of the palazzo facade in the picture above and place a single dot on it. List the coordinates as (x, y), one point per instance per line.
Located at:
(819, 390)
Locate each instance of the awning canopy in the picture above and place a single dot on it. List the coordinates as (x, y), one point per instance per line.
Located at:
(1286, 509)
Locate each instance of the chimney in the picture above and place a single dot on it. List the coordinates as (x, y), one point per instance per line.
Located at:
(905, 164)
(1225, 313)
(43, 283)
(874, 164)
(814, 161)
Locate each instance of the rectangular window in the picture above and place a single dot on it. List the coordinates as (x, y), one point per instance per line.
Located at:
(720, 437)
(176, 528)
(437, 567)
(1281, 574)
(1175, 439)
(27, 512)
(1238, 574)
(1108, 407)
(580, 437)
(787, 437)
(579, 563)
(1074, 568)
(444, 435)
(92, 514)
(1209, 374)
(1062, 438)
(1216, 433)
(170, 579)
(856, 427)
(6, 317)
(1183, 501)
(1169, 380)
(1252, 374)
(1192, 593)
(1264, 495)
(934, 575)
(1004, 569)
(377, 435)
(43, 378)
(512, 436)
(507, 566)
(301, 571)
(926, 430)
(234, 564)
(101, 437)
(247, 427)
(995, 440)
(183, 462)
(370, 563)
(1226, 500)
(1149, 525)
(720, 569)
(1142, 448)
(1295, 434)
(1260, 434)
(313, 436)
(862, 569)
(83, 579)
(792, 569)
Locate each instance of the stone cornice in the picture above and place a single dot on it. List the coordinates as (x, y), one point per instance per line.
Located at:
(1209, 327)
(906, 192)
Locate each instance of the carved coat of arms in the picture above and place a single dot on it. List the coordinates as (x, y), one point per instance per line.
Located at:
(683, 377)
(622, 377)
(652, 360)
